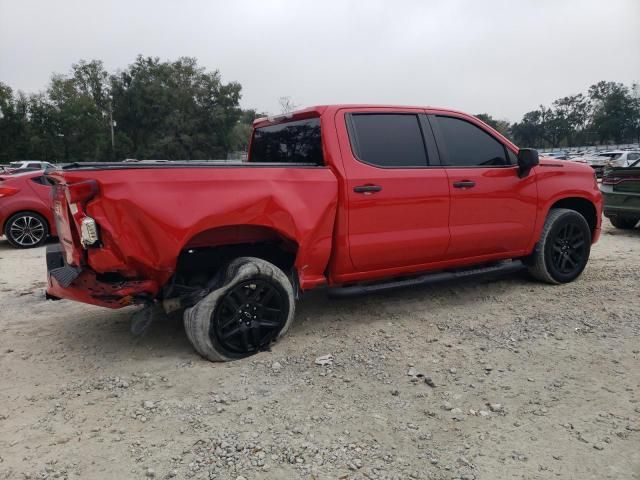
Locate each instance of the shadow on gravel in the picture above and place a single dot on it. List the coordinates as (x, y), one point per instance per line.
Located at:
(106, 333)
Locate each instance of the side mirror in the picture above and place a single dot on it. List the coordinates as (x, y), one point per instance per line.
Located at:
(527, 159)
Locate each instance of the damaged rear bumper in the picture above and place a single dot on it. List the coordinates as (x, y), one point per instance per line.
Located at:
(83, 285)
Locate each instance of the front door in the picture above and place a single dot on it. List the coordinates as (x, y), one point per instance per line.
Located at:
(493, 211)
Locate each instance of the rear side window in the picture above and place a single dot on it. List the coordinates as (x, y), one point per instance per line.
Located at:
(469, 146)
(388, 140)
(291, 142)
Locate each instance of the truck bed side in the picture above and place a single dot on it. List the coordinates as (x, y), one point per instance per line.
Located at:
(148, 216)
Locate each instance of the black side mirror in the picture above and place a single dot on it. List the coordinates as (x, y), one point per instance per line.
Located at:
(527, 159)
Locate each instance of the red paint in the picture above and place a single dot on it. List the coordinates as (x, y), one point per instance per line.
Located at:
(22, 194)
(417, 222)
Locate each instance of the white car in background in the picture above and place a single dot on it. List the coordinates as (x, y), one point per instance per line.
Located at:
(613, 158)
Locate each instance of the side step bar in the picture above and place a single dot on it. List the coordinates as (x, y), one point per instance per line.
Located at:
(427, 279)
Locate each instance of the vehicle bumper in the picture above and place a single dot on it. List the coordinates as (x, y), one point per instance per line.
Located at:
(620, 204)
(82, 284)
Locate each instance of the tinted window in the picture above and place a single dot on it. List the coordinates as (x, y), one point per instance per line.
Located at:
(468, 145)
(388, 140)
(42, 181)
(291, 142)
(633, 156)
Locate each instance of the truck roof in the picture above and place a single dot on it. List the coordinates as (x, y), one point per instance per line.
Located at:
(317, 110)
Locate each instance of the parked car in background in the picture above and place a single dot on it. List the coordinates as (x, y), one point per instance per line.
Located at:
(612, 158)
(28, 166)
(26, 218)
(621, 195)
(555, 155)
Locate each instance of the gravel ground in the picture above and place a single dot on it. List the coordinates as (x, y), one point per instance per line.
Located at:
(502, 379)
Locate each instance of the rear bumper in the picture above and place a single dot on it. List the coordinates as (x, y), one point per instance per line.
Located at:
(82, 284)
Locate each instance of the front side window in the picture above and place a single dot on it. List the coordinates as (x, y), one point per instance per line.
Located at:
(291, 142)
(469, 146)
(388, 140)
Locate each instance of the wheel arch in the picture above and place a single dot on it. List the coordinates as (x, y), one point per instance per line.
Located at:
(583, 206)
(216, 246)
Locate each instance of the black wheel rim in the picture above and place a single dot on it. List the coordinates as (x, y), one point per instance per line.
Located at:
(249, 316)
(569, 248)
(27, 231)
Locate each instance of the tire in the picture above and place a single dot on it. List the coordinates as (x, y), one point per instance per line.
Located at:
(624, 223)
(563, 250)
(255, 300)
(26, 230)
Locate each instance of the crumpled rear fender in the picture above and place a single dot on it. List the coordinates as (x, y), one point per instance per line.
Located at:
(148, 216)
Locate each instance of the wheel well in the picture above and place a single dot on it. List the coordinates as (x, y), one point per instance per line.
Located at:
(581, 205)
(204, 255)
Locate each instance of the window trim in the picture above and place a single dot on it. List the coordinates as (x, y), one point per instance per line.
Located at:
(428, 141)
(442, 146)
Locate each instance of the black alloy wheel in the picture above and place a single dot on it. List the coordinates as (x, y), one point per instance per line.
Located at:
(569, 249)
(250, 316)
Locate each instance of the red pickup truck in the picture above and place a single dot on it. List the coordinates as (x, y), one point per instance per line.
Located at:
(357, 198)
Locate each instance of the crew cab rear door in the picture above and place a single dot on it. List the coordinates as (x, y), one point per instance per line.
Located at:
(493, 211)
(398, 204)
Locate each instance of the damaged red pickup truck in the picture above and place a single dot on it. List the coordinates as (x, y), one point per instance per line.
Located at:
(358, 198)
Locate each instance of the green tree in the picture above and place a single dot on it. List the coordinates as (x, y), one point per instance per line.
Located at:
(614, 111)
(502, 126)
(174, 110)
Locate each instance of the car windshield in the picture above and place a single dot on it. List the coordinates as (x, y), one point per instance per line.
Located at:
(15, 164)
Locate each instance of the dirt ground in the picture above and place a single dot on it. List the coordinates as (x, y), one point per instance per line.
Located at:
(528, 381)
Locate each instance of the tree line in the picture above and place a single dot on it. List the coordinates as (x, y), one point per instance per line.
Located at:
(179, 110)
(151, 109)
(608, 113)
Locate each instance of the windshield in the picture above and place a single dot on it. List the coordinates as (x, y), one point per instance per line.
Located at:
(290, 142)
(15, 164)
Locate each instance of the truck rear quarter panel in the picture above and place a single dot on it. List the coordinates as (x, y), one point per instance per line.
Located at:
(157, 212)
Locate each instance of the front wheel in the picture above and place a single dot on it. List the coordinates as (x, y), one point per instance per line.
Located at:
(563, 250)
(253, 307)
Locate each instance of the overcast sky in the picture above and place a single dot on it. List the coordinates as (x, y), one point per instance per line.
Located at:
(497, 56)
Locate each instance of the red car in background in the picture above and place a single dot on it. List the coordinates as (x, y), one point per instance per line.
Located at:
(26, 218)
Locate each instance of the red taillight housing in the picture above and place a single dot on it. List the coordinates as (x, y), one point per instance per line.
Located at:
(81, 192)
(8, 191)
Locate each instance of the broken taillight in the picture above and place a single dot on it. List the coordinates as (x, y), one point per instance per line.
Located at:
(81, 192)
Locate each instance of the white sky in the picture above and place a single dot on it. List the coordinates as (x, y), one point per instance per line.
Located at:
(496, 56)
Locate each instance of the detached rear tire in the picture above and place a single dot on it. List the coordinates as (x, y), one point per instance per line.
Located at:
(563, 250)
(253, 307)
(624, 223)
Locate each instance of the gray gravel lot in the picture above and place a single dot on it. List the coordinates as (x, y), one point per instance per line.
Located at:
(525, 380)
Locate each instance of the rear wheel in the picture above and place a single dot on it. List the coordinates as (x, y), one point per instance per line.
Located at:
(26, 230)
(624, 223)
(563, 250)
(253, 307)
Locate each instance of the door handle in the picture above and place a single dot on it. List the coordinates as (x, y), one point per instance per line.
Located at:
(367, 188)
(464, 184)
